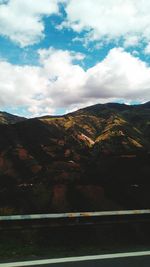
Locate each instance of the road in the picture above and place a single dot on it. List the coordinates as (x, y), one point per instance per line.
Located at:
(126, 262)
(132, 259)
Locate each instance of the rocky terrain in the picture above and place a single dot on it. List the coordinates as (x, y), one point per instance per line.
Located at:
(97, 158)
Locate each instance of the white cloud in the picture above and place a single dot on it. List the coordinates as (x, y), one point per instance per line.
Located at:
(60, 82)
(18, 84)
(119, 75)
(110, 19)
(135, 53)
(21, 20)
(147, 49)
(131, 41)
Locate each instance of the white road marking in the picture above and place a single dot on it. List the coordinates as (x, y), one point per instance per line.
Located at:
(73, 215)
(75, 259)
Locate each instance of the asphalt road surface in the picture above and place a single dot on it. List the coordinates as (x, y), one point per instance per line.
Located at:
(132, 259)
(124, 262)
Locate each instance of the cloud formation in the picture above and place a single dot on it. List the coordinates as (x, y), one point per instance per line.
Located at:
(110, 20)
(22, 20)
(60, 82)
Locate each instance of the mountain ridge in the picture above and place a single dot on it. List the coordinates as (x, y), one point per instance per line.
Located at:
(8, 118)
(77, 161)
(109, 104)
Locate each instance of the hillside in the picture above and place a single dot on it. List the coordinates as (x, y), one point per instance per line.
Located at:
(96, 158)
(7, 118)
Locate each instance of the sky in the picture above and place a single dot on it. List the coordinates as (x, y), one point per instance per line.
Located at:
(57, 56)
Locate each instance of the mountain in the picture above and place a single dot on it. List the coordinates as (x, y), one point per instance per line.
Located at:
(96, 158)
(6, 118)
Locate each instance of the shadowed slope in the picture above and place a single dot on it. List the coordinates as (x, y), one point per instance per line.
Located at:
(93, 159)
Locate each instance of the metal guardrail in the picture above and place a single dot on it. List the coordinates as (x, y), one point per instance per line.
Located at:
(73, 215)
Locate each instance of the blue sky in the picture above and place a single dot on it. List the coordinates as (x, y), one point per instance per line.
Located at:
(59, 39)
(60, 55)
